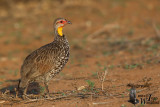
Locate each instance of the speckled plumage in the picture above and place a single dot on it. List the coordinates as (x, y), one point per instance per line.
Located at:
(47, 61)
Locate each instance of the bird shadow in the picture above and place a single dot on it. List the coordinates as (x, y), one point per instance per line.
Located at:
(33, 88)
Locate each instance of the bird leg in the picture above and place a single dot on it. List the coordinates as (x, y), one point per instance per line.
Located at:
(25, 92)
(46, 88)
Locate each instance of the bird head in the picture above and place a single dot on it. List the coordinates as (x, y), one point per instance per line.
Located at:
(59, 24)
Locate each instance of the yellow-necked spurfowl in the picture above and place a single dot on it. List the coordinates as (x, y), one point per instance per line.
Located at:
(47, 61)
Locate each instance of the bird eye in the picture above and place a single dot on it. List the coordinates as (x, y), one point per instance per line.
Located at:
(61, 21)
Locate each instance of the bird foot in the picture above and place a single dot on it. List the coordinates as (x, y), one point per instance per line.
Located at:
(25, 97)
(48, 96)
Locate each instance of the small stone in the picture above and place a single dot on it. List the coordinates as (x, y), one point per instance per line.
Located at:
(81, 88)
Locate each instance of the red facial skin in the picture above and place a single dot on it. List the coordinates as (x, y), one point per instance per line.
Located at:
(63, 22)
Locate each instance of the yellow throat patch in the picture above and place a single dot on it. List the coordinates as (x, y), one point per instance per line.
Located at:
(60, 31)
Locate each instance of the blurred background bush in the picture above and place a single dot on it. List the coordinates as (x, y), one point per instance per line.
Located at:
(100, 27)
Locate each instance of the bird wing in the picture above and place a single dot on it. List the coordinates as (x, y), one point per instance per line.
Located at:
(39, 61)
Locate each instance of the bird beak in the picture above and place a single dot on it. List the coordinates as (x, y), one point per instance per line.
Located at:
(69, 22)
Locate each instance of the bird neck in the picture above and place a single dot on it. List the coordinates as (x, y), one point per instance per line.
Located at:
(59, 30)
(59, 36)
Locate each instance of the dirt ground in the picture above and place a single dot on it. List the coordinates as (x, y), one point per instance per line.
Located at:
(121, 37)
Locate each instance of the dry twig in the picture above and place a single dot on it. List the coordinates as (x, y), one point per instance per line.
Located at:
(102, 78)
(156, 30)
(101, 103)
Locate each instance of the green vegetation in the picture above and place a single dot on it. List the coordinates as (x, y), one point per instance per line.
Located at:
(123, 105)
(113, 86)
(37, 37)
(122, 95)
(128, 90)
(91, 84)
(106, 53)
(148, 61)
(1, 82)
(141, 105)
(111, 66)
(6, 42)
(94, 74)
(130, 32)
(132, 66)
(98, 64)
(62, 93)
(42, 89)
